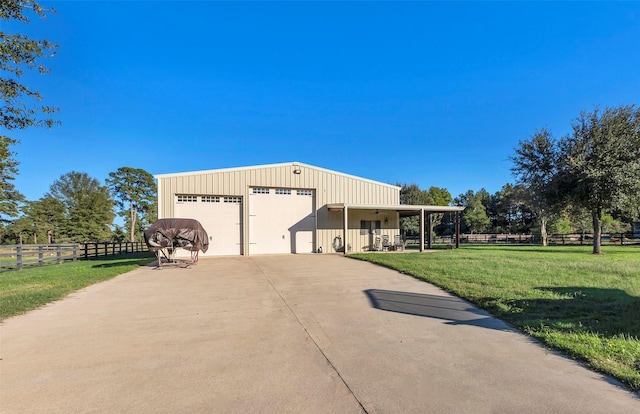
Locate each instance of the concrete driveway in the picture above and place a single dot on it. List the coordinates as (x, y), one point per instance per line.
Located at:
(283, 334)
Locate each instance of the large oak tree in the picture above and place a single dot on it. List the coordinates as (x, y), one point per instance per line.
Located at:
(536, 168)
(600, 163)
(596, 168)
(88, 207)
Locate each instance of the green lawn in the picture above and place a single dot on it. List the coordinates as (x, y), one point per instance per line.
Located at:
(585, 305)
(27, 289)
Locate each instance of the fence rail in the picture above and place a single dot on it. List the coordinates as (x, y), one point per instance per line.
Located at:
(555, 239)
(111, 248)
(587, 239)
(18, 256)
(499, 238)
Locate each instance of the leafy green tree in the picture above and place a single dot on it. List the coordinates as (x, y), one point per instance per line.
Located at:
(413, 195)
(508, 211)
(520, 215)
(21, 107)
(474, 216)
(44, 218)
(134, 191)
(118, 234)
(22, 230)
(437, 196)
(536, 162)
(18, 55)
(579, 220)
(600, 163)
(88, 207)
(560, 224)
(613, 226)
(634, 209)
(10, 197)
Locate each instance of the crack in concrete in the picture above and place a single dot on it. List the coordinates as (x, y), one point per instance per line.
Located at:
(318, 347)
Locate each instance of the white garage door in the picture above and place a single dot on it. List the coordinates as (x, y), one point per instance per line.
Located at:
(281, 220)
(220, 216)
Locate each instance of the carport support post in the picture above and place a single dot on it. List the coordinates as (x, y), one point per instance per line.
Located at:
(429, 231)
(457, 229)
(422, 230)
(344, 230)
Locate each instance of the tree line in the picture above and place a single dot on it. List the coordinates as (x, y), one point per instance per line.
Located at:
(78, 208)
(586, 182)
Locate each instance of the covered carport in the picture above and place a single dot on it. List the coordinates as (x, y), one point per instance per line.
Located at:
(424, 212)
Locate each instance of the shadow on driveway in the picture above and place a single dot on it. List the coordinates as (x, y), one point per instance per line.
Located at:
(451, 309)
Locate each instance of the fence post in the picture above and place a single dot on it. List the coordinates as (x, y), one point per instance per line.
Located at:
(86, 250)
(75, 252)
(40, 256)
(19, 257)
(58, 254)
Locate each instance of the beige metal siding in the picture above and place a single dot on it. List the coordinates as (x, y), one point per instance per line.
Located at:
(329, 186)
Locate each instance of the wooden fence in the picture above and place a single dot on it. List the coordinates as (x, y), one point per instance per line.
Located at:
(555, 239)
(478, 238)
(18, 256)
(620, 239)
(111, 248)
(499, 238)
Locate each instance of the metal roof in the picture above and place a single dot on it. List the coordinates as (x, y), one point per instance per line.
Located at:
(284, 164)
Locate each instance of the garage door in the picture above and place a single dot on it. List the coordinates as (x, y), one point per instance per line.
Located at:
(220, 216)
(281, 220)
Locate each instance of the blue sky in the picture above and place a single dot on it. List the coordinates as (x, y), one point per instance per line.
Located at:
(431, 93)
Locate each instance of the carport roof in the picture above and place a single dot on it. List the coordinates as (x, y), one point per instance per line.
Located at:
(403, 209)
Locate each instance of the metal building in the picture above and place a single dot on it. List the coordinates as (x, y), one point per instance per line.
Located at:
(286, 208)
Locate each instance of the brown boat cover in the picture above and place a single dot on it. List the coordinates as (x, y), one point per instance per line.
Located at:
(177, 232)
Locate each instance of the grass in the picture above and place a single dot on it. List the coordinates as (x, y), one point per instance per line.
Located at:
(27, 289)
(585, 305)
